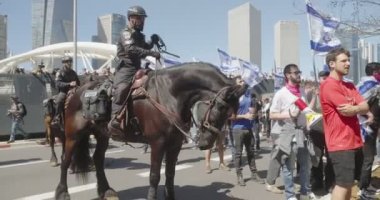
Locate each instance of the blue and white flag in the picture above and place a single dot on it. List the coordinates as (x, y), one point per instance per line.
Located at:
(279, 81)
(152, 63)
(322, 31)
(228, 64)
(250, 73)
(233, 66)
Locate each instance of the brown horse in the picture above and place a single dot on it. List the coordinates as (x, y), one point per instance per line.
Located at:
(164, 116)
(51, 132)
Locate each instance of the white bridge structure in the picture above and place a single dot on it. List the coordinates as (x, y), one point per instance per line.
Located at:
(47, 54)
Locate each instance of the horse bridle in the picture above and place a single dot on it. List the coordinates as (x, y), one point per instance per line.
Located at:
(205, 124)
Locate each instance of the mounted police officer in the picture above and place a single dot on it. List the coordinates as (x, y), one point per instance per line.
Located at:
(66, 78)
(131, 48)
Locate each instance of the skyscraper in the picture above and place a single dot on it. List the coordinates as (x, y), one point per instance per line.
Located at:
(3, 36)
(109, 27)
(350, 40)
(286, 43)
(52, 22)
(244, 33)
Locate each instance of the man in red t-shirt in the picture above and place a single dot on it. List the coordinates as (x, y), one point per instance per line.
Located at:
(341, 102)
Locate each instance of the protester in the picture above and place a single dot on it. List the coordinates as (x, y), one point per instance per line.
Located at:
(219, 143)
(256, 105)
(341, 102)
(288, 136)
(367, 86)
(265, 115)
(322, 175)
(242, 134)
(17, 113)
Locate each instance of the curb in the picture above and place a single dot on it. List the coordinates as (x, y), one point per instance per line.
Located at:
(18, 143)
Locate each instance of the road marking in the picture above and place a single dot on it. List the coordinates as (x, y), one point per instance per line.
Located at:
(25, 163)
(116, 151)
(177, 168)
(44, 161)
(225, 158)
(50, 195)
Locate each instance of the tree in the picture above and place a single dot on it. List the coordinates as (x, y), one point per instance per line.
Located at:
(361, 16)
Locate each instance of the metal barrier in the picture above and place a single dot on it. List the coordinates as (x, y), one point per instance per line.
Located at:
(31, 90)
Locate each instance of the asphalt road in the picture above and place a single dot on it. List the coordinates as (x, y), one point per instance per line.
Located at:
(25, 173)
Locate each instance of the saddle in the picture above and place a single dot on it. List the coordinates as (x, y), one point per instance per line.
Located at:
(138, 82)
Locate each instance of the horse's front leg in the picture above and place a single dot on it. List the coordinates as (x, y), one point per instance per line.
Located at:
(171, 161)
(53, 158)
(104, 190)
(156, 156)
(61, 192)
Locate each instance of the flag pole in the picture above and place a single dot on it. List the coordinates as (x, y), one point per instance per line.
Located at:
(315, 69)
(312, 51)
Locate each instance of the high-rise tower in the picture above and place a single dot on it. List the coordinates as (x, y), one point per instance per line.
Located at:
(244, 33)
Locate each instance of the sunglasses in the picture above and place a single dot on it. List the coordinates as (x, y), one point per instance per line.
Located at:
(296, 72)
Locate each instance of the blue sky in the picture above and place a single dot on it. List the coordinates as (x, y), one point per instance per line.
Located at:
(190, 28)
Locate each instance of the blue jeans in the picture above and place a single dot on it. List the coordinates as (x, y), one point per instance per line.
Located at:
(287, 173)
(16, 126)
(303, 159)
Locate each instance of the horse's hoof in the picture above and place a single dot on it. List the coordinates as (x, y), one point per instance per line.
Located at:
(111, 195)
(152, 194)
(62, 196)
(61, 193)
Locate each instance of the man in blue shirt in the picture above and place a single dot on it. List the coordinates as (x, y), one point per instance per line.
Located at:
(242, 133)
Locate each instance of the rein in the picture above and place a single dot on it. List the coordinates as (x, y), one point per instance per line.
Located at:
(173, 117)
(205, 121)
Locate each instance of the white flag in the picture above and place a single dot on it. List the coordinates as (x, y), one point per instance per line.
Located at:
(322, 31)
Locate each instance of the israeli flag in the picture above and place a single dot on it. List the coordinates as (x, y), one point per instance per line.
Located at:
(250, 73)
(322, 31)
(228, 64)
(279, 81)
(152, 63)
(233, 66)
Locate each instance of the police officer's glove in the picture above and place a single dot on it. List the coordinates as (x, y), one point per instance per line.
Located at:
(156, 54)
(155, 38)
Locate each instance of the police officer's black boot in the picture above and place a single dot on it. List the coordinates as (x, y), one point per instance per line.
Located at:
(114, 126)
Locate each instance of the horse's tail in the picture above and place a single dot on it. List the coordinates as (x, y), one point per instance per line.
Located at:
(81, 160)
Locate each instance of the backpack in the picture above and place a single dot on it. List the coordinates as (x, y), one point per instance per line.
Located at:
(23, 114)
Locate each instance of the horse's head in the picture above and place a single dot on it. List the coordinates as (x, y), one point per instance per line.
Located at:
(213, 114)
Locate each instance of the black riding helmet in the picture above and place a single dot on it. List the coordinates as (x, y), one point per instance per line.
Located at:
(136, 10)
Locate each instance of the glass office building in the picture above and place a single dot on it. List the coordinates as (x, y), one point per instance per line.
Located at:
(52, 22)
(3, 36)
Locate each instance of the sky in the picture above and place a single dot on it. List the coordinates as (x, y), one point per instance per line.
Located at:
(189, 28)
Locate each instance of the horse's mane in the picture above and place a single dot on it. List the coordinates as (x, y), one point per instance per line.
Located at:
(197, 70)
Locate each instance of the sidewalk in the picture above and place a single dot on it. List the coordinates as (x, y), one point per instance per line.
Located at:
(4, 144)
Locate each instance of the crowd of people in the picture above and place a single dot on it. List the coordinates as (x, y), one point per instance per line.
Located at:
(328, 157)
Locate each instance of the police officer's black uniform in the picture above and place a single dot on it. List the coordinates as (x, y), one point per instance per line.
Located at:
(63, 78)
(131, 48)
